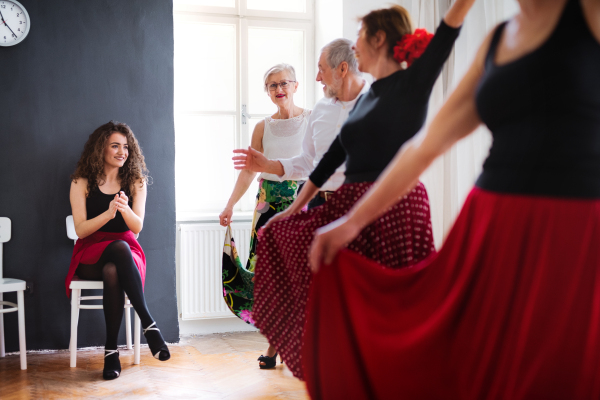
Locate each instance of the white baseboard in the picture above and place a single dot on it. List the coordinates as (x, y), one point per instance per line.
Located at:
(215, 325)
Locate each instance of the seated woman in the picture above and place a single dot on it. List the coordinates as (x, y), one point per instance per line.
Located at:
(277, 136)
(108, 201)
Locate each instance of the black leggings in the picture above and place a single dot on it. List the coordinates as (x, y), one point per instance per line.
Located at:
(119, 273)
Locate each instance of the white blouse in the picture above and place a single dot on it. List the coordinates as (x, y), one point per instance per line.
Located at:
(283, 138)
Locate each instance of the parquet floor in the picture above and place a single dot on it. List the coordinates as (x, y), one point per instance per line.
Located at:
(219, 366)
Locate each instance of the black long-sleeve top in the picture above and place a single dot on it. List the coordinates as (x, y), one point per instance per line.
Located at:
(384, 118)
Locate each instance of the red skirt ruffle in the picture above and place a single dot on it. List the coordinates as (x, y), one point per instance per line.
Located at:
(508, 309)
(89, 249)
(398, 239)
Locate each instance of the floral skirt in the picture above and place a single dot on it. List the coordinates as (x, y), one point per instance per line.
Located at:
(238, 288)
(398, 239)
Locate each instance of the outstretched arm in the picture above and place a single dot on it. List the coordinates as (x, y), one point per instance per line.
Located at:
(456, 14)
(255, 161)
(457, 118)
(294, 168)
(244, 179)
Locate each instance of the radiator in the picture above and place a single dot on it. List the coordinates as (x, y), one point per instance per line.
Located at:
(201, 255)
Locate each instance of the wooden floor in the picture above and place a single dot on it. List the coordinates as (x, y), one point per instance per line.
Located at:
(219, 366)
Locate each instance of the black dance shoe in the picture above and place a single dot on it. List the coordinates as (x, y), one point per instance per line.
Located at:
(157, 344)
(269, 362)
(112, 365)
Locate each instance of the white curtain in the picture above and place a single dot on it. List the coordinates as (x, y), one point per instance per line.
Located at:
(450, 178)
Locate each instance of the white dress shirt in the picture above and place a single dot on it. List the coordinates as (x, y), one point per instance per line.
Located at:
(324, 124)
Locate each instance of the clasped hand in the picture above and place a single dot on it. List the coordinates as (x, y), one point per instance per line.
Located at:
(119, 203)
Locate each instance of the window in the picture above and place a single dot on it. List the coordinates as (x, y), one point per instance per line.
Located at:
(222, 50)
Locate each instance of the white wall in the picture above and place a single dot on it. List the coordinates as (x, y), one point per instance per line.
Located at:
(328, 26)
(354, 9)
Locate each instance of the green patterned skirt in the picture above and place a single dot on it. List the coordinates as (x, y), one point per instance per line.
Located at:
(238, 288)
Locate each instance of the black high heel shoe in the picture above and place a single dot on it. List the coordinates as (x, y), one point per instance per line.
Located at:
(157, 344)
(112, 365)
(270, 362)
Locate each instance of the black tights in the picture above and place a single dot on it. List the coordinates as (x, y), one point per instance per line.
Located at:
(119, 273)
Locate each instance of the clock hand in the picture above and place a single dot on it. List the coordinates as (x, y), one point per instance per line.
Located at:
(5, 24)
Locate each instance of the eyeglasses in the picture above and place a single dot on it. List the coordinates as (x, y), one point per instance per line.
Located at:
(284, 85)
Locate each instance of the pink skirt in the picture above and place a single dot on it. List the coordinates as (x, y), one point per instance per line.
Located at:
(509, 309)
(89, 249)
(398, 239)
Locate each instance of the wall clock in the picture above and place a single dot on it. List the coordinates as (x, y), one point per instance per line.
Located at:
(14, 22)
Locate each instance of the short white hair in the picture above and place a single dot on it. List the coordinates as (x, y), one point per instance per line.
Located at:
(277, 69)
(338, 51)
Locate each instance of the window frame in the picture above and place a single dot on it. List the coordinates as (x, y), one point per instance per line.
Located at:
(241, 9)
(243, 20)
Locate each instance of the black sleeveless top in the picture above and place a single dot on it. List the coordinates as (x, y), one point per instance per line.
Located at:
(98, 202)
(384, 118)
(544, 113)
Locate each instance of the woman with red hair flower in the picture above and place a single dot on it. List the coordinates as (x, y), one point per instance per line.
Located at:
(509, 308)
(384, 118)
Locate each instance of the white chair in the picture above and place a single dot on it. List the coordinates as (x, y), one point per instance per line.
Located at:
(11, 285)
(76, 286)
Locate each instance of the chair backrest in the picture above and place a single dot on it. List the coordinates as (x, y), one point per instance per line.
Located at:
(71, 229)
(5, 228)
(5, 232)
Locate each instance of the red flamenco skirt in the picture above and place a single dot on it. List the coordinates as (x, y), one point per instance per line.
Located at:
(508, 309)
(398, 239)
(89, 249)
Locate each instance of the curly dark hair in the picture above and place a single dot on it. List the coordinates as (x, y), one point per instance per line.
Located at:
(91, 164)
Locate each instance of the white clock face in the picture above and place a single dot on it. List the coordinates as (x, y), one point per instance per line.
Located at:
(14, 22)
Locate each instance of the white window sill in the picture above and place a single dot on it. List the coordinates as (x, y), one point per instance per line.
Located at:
(238, 216)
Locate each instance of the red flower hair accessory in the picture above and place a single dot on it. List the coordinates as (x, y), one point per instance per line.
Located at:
(411, 47)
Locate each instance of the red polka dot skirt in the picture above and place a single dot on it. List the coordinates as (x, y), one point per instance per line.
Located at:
(399, 238)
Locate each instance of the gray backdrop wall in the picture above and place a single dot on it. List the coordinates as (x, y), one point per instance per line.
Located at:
(83, 64)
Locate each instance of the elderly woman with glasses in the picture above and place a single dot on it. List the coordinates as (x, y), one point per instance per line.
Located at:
(277, 136)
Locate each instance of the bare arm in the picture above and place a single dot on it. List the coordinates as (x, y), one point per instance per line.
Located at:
(457, 118)
(134, 216)
(456, 14)
(244, 179)
(83, 226)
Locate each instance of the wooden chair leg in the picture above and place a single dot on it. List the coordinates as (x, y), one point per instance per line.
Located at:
(136, 334)
(2, 349)
(75, 295)
(21, 317)
(128, 325)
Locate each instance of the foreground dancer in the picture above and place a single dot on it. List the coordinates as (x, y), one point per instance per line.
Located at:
(510, 306)
(108, 201)
(389, 114)
(277, 136)
(342, 86)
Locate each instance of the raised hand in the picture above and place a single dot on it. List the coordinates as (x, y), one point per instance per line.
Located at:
(225, 216)
(123, 203)
(250, 159)
(113, 207)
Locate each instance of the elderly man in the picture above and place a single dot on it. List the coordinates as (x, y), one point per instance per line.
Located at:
(342, 85)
